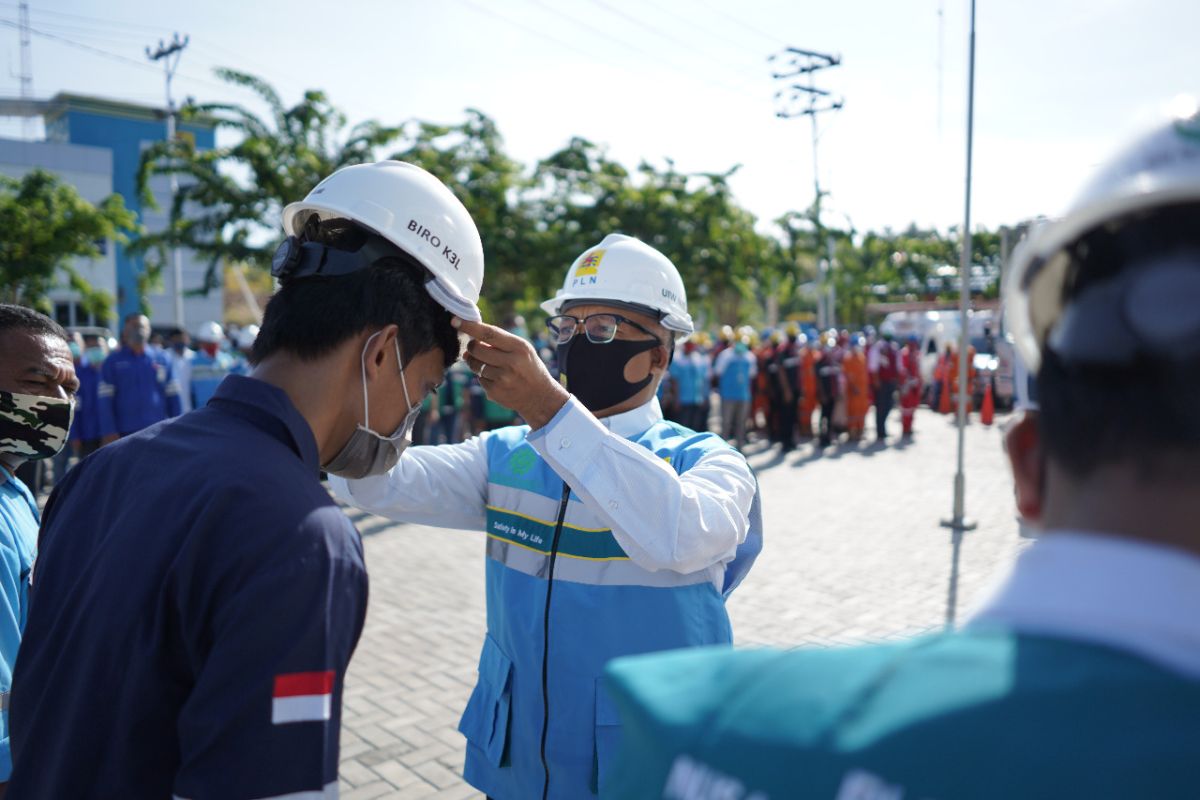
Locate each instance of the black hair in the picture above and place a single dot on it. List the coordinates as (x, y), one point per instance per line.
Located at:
(13, 317)
(310, 316)
(1143, 413)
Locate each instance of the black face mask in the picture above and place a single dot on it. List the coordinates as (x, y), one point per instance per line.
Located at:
(596, 372)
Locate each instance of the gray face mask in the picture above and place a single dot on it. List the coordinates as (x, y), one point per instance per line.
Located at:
(368, 453)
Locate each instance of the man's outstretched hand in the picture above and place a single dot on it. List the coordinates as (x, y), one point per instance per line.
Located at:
(511, 372)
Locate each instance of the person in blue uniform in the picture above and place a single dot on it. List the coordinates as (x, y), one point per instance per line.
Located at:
(1080, 676)
(37, 391)
(85, 429)
(199, 594)
(138, 386)
(210, 364)
(691, 372)
(609, 530)
(735, 369)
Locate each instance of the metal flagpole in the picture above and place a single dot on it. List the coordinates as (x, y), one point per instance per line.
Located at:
(958, 522)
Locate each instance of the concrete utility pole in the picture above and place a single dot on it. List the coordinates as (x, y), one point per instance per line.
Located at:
(801, 100)
(170, 54)
(958, 522)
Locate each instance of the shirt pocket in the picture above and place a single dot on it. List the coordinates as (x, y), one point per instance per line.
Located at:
(608, 738)
(486, 720)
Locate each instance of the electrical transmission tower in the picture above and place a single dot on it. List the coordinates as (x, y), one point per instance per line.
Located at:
(806, 100)
(170, 54)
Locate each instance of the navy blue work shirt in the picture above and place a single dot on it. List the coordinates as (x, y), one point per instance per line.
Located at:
(196, 601)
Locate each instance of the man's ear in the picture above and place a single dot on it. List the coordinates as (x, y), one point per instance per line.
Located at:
(378, 348)
(1023, 444)
(660, 357)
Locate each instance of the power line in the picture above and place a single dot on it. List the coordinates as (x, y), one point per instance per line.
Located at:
(105, 22)
(104, 53)
(684, 70)
(509, 21)
(771, 37)
(686, 45)
(718, 36)
(213, 54)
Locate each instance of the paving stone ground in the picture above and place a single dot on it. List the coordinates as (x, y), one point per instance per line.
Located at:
(854, 552)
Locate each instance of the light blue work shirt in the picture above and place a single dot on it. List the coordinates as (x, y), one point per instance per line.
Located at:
(18, 548)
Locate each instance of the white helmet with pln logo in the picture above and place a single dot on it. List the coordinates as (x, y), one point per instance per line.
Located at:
(623, 270)
(414, 211)
(1143, 308)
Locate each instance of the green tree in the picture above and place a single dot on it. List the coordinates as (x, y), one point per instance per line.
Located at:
(469, 158)
(231, 197)
(580, 195)
(44, 225)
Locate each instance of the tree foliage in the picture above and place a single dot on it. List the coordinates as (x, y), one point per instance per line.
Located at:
(534, 221)
(44, 225)
(230, 196)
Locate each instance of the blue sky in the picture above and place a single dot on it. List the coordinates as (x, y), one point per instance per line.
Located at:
(1059, 84)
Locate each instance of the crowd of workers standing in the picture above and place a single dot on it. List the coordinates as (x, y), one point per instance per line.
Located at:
(785, 386)
(789, 385)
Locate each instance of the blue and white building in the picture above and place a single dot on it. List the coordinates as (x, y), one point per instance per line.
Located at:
(96, 144)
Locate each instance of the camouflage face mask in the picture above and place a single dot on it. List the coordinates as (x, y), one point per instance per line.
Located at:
(32, 426)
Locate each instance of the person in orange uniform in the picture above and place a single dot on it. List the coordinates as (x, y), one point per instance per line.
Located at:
(809, 399)
(858, 389)
(910, 384)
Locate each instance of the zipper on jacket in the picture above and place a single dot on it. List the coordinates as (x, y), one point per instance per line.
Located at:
(558, 526)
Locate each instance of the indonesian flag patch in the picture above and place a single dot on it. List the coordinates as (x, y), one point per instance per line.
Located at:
(302, 697)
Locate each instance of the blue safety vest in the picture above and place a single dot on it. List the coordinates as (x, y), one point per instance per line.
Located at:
(734, 383)
(986, 714)
(207, 374)
(691, 374)
(598, 606)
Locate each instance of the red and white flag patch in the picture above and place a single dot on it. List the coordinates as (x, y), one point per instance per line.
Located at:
(302, 697)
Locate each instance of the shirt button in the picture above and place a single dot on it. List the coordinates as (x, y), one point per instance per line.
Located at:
(564, 443)
(613, 504)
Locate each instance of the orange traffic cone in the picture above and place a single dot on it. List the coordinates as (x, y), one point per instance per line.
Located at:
(988, 413)
(944, 400)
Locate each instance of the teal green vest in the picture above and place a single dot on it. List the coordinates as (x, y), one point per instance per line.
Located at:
(973, 715)
(603, 605)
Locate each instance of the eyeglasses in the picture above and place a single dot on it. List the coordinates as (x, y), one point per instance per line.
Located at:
(599, 328)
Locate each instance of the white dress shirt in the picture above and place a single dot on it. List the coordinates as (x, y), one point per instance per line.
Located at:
(662, 520)
(1110, 590)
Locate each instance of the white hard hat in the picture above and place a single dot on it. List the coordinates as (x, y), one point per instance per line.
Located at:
(625, 270)
(246, 337)
(414, 211)
(1159, 169)
(209, 332)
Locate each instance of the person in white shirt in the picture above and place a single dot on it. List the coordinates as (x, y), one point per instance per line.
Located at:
(609, 530)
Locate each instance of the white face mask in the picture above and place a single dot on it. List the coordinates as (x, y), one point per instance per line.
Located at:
(369, 453)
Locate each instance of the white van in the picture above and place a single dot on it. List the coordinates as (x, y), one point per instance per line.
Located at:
(936, 329)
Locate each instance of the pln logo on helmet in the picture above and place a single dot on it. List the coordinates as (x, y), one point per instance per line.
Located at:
(589, 267)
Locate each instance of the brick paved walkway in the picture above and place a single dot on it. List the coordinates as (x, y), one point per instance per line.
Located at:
(854, 552)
